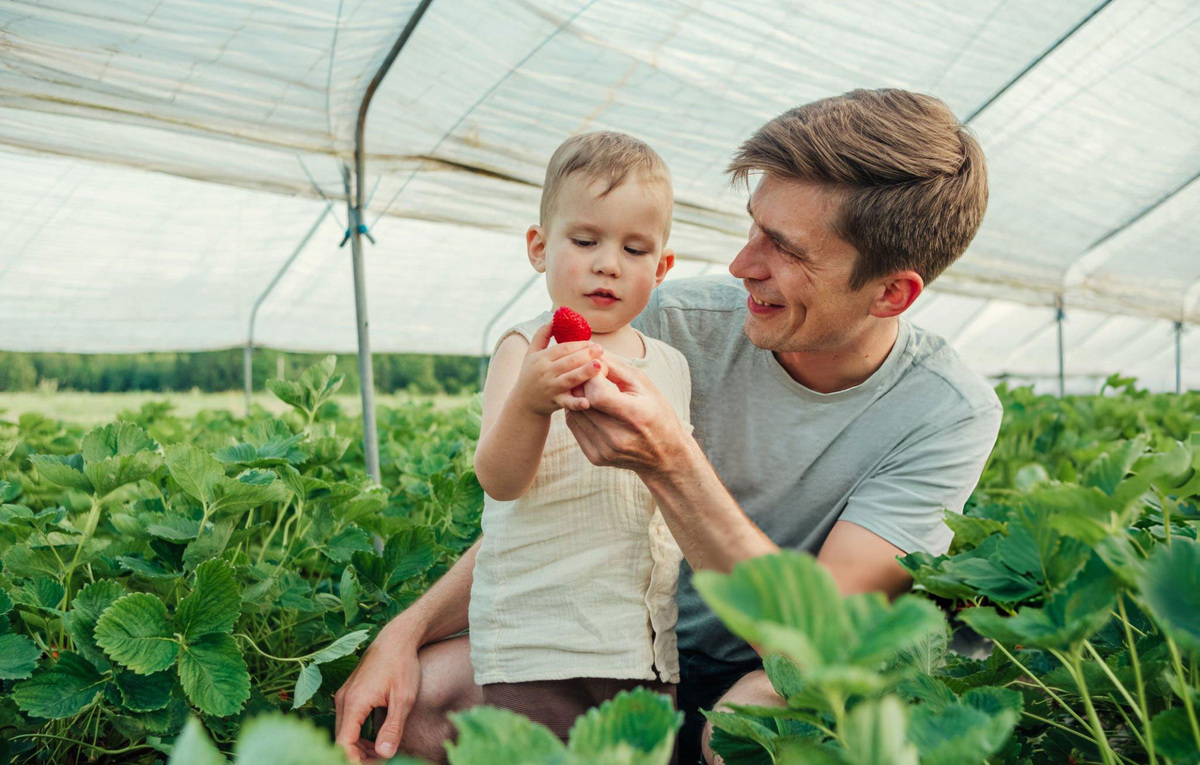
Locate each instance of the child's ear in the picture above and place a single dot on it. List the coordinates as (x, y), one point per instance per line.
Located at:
(665, 264)
(535, 243)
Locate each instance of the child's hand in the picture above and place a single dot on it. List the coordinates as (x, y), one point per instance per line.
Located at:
(548, 374)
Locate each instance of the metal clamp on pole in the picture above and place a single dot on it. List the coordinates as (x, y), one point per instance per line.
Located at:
(1059, 316)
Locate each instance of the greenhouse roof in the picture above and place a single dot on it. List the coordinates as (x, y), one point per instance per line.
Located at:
(161, 161)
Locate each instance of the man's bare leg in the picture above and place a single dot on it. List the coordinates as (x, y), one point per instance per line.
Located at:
(447, 685)
(754, 689)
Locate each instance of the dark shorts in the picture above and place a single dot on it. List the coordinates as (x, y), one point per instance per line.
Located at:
(703, 680)
(557, 703)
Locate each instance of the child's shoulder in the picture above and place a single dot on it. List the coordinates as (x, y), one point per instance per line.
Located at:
(524, 330)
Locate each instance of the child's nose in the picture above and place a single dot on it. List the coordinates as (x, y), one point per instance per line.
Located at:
(607, 262)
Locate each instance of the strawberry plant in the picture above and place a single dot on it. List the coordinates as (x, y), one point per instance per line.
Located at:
(220, 568)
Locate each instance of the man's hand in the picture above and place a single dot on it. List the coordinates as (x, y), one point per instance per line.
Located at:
(388, 676)
(628, 423)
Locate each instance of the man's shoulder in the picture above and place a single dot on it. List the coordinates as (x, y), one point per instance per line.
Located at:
(946, 374)
(718, 292)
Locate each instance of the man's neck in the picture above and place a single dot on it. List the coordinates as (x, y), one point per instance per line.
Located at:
(842, 368)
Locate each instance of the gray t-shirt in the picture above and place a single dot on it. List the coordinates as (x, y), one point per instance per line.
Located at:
(888, 455)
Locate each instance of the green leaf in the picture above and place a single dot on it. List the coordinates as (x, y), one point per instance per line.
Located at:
(885, 632)
(1070, 616)
(252, 488)
(195, 470)
(64, 471)
(174, 528)
(117, 439)
(307, 684)
(60, 691)
(192, 747)
(1107, 470)
(145, 693)
(1170, 588)
(1173, 735)
(343, 646)
(136, 632)
(277, 740)
(875, 734)
(114, 472)
(642, 721)
(213, 674)
(492, 734)
(214, 604)
(210, 543)
(80, 621)
(969, 731)
(18, 657)
(777, 600)
(349, 594)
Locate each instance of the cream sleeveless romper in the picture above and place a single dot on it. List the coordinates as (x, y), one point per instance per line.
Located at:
(577, 577)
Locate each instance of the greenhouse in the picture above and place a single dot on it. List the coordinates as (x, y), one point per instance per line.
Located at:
(357, 177)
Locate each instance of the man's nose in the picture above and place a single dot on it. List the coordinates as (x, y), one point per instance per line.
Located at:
(750, 263)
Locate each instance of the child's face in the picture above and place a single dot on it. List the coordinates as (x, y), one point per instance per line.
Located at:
(603, 256)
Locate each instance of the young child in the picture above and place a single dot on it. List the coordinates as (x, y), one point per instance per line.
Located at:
(573, 596)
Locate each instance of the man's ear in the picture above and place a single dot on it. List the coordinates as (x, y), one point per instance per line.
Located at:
(535, 244)
(896, 293)
(665, 263)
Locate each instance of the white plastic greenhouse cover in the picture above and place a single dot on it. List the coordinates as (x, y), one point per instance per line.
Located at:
(160, 161)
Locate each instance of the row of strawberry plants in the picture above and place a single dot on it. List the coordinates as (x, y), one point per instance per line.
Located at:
(223, 569)
(219, 567)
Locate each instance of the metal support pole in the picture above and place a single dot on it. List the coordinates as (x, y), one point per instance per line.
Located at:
(1062, 366)
(249, 351)
(247, 368)
(1178, 357)
(483, 352)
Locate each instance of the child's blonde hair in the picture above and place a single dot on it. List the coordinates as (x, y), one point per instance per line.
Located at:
(603, 156)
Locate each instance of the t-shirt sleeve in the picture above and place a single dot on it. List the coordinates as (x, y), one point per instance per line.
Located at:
(905, 500)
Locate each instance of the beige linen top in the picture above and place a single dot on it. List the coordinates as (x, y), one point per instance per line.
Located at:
(577, 577)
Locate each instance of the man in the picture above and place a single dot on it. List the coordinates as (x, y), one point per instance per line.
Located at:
(823, 421)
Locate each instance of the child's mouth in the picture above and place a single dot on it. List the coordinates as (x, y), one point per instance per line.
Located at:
(602, 298)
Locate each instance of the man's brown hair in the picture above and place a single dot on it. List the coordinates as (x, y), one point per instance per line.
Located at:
(912, 178)
(603, 156)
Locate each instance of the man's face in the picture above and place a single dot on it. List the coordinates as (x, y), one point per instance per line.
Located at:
(797, 271)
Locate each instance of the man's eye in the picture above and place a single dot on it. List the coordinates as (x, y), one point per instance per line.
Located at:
(582, 242)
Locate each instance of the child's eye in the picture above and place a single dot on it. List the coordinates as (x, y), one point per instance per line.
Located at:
(582, 242)
(635, 251)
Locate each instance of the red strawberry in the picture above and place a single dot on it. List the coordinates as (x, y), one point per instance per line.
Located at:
(569, 326)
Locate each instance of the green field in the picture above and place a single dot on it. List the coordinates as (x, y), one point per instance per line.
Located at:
(96, 408)
(195, 583)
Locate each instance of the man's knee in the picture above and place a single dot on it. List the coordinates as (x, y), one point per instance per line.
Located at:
(753, 689)
(447, 685)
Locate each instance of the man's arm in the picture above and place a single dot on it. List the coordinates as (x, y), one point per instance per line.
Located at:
(631, 425)
(389, 674)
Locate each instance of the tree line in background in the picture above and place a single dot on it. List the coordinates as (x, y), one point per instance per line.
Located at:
(215, 371)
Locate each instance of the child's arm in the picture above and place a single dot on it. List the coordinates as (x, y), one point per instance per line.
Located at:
(526, 383)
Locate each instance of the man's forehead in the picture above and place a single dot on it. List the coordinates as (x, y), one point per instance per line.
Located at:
(799, 212)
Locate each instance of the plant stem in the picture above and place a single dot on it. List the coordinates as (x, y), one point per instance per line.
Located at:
(1072, 731)
(1183, 680)
(274, 528)
(1040, 684)
(1137, 675)
(100, 749)
(1132, 728)
(1073, 665)
(1112, 677)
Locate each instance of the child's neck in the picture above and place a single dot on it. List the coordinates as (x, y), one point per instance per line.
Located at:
(623, 342)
